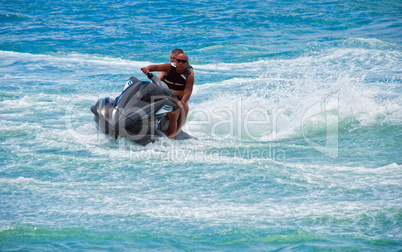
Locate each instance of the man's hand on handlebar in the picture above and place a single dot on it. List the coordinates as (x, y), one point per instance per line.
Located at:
(145, 70)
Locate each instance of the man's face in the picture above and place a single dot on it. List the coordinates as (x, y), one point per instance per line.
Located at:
(173, 57)
(181, 62)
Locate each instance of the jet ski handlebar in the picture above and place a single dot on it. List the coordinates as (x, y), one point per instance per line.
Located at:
(160, 83)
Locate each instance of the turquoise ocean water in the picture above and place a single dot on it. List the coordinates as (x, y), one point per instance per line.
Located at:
(297, 107)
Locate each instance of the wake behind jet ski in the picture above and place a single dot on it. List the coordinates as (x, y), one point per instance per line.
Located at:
(138, 113)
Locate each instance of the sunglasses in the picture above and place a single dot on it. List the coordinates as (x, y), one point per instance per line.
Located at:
(182, 61)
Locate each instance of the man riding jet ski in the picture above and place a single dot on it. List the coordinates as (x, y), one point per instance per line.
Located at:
(179, 77)
(139, 112)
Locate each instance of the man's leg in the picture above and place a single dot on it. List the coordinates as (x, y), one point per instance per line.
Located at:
(182, 117)
(172, 128)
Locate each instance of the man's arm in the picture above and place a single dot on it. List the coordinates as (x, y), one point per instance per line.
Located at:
(161, 75)
(188, 89)
(156, 68)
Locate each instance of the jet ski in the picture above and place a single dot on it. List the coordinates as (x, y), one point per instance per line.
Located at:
(139, 112)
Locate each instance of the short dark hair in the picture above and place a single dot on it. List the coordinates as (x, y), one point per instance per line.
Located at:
(177, 51)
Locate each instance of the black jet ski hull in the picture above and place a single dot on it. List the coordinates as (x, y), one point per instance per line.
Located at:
(138, 113)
